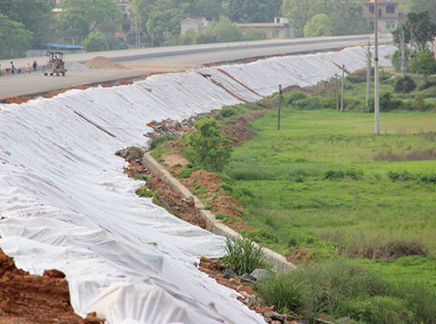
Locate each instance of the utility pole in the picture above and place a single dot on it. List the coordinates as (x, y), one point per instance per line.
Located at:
(376, 76)
(279, 107)
(403, 52)
(337, 92)
(342, 88)
(368, 75)
(137, 40)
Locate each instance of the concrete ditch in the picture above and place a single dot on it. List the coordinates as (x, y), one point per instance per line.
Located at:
(277, 261)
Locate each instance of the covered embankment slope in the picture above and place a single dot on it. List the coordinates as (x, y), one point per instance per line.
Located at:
(65, 202)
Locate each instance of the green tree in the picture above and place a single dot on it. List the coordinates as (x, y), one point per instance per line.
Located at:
(422, 29)
(36, 16)
(211, 9)
(299, 12)
(425, 5)
(159, 20)
(318, 25)
(81, 17)
(347, 17)
(190, 37)
(418, 30)
(226, 31)
(210, 150)
(15, 40)
(95, 42)
(252, 10)
(160, 23)
(423, 63)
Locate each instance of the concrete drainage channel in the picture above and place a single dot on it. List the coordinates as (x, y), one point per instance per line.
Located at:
(214, 225)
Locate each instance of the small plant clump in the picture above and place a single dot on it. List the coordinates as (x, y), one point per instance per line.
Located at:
(209, 149)
(243, 256)
(404, 84)
(144, 192)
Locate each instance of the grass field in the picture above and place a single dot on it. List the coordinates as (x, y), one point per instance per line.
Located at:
(356, 212)
(324, 183)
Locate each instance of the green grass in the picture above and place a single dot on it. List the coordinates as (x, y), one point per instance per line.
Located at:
(342, 289)
(317, 184)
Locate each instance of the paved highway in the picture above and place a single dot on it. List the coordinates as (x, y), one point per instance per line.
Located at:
(141, 62)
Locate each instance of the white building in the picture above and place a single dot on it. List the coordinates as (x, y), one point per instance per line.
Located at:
(195, 23)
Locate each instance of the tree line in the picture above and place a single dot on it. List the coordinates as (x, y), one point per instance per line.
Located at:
(27, 24)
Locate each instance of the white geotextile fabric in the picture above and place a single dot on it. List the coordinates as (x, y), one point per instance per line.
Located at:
(227, 82)
(265, 76)
(65, 202)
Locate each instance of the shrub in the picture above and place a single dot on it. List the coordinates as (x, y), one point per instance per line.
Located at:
(404, 83)
(210, 150)
(95, 42)
(188, 38)
(419, 103)
(357, 78)
(382, 250)
(423, 63)
(428, 82)
(145, 193)
(386, 103)
(295, 96)
(300, 100)
(323, 287)
(158, 141)
(227, 112)
(115, 44)
(243, 256)
(400, 176)
(338, 174)
(431, 179)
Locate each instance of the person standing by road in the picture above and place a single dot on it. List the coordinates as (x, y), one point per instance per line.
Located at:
(35, 65)
(28, 67)
(12, 68)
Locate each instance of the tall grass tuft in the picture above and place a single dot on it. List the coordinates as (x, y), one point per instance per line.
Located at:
(243, 256)
(324, 287)
(383, 250)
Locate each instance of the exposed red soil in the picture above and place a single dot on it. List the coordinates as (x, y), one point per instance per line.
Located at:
(167, 198)
(215, 197)
(240, 131)
(29, 299)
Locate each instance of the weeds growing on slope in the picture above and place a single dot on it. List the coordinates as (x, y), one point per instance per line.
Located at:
(243, 256)
(341, 289)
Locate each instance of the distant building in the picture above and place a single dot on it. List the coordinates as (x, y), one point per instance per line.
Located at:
(126, 26)
(388, 13)
(57, 11)
(195, 23)
(279, 29)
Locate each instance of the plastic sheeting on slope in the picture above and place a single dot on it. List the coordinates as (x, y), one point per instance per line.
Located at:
(302, 70)
(234, 87)
(65, 202)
